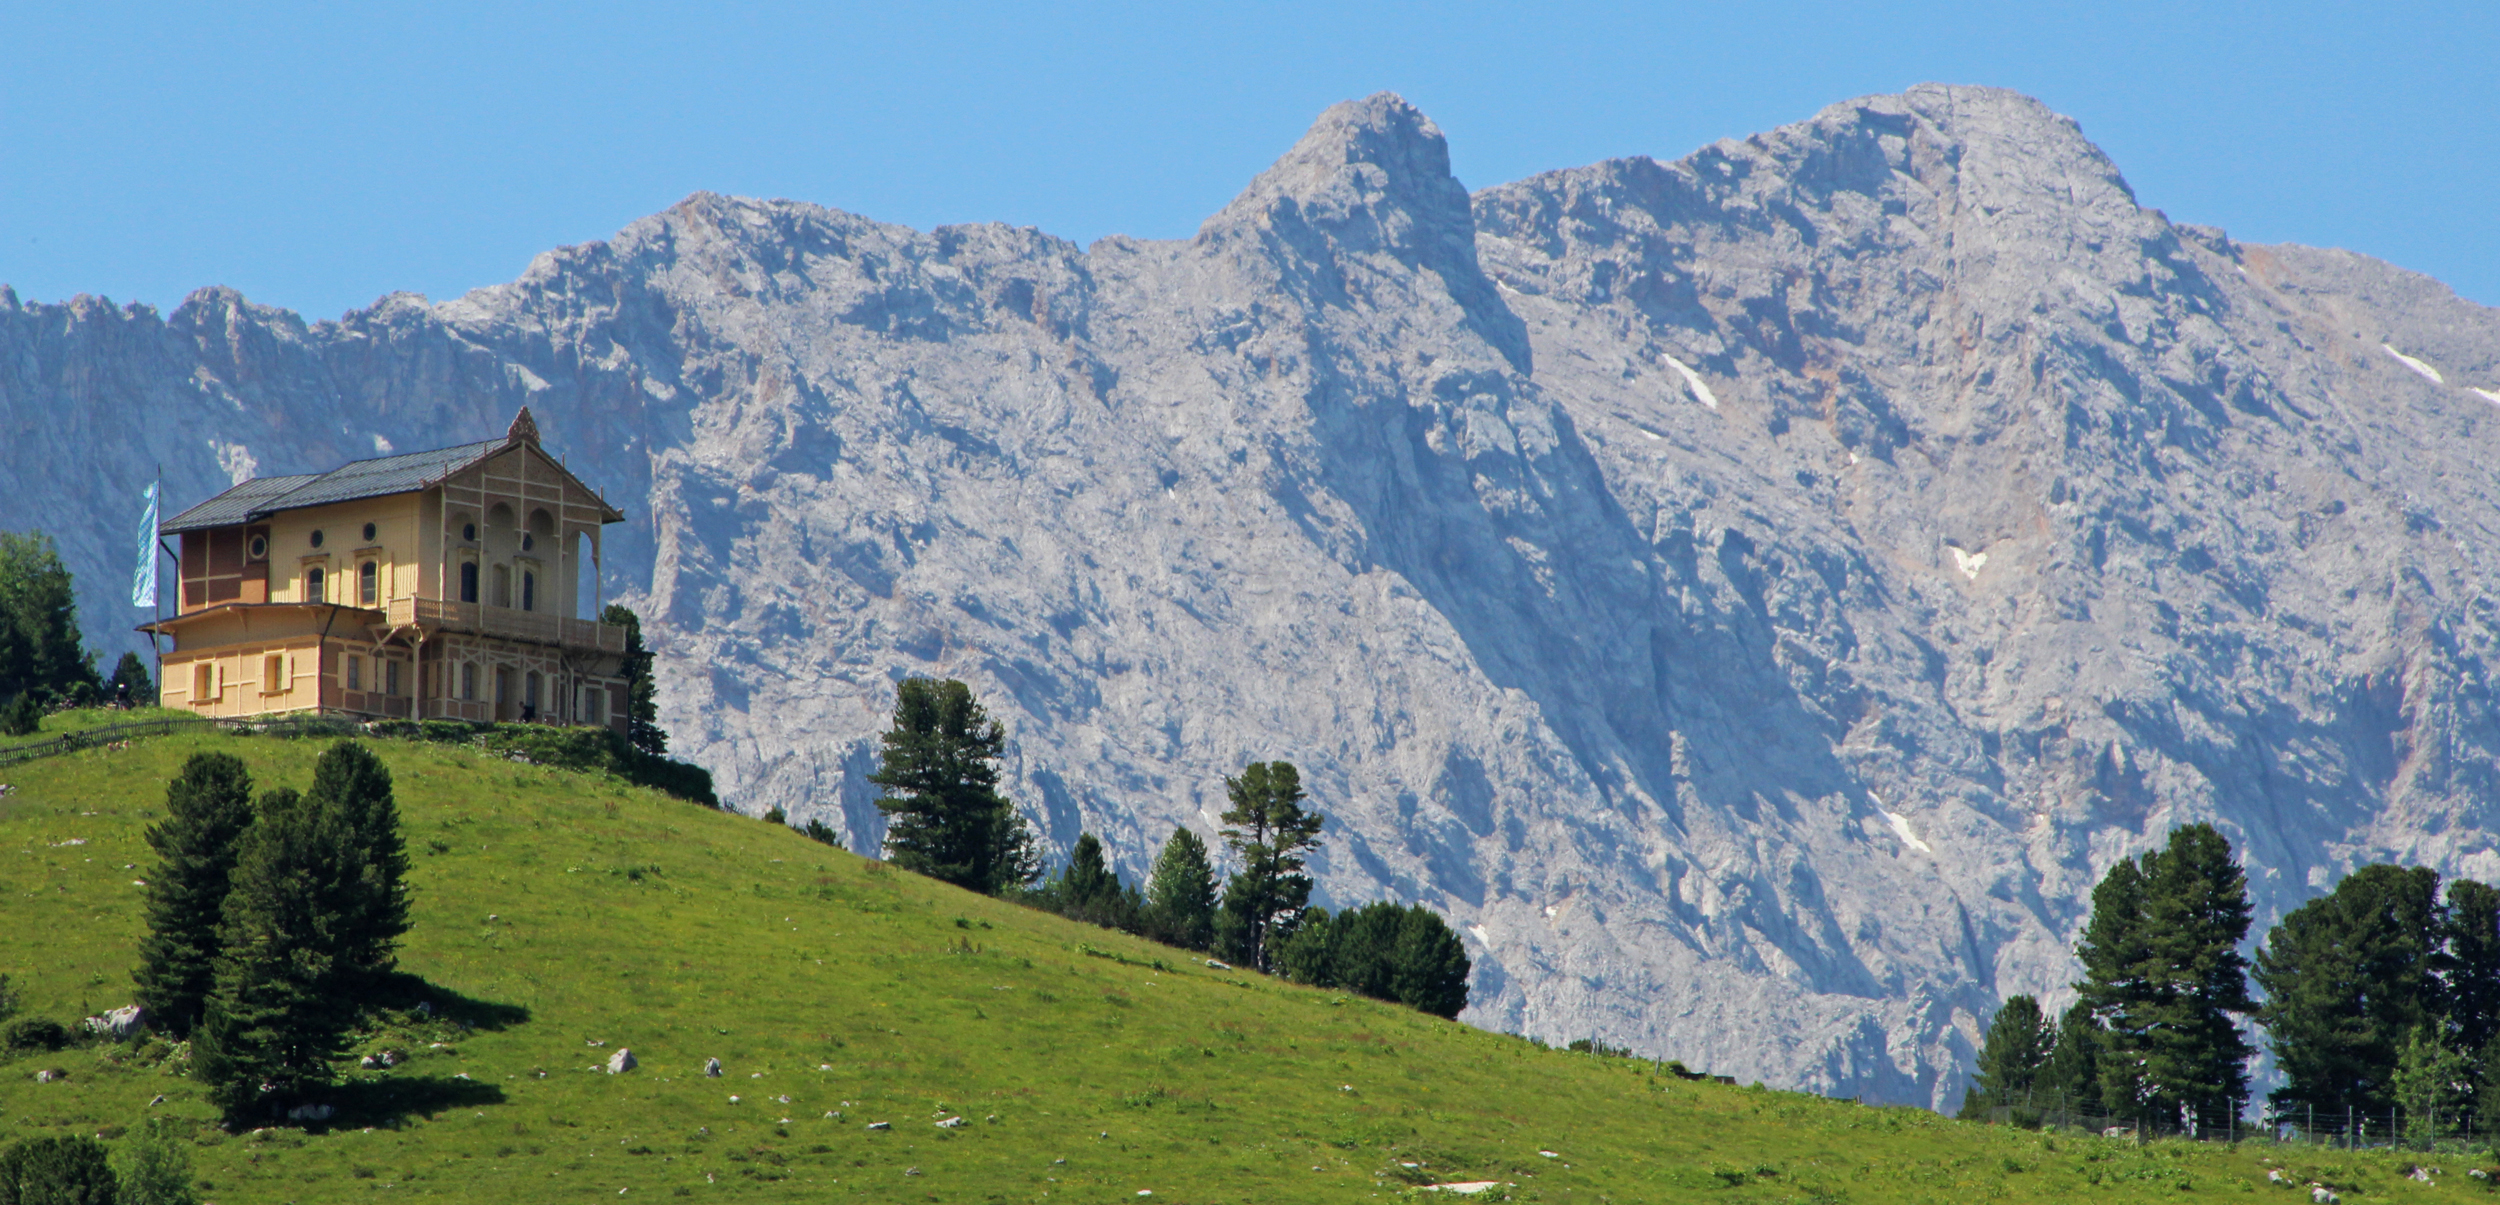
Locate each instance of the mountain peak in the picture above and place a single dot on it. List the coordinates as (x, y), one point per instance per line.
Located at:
(1358, 156)
(1371, 180)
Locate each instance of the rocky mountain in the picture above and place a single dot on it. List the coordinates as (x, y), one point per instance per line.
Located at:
(1754, 595)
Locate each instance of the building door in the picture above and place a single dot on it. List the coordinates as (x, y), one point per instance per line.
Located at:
(503, 695)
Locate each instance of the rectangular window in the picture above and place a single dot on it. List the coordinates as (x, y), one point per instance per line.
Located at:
(273, 673)
(369, 584)
(355, 673)
(468, 680)
(390, 678)
(591, 699)
(203, 682)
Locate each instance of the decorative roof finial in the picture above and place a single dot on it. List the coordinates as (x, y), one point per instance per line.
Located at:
(524, 429)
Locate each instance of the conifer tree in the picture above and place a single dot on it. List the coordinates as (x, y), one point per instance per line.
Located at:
(207, 808)
(2471, 988)
(944, 815)
(1429, 966)
(1270, 832)
(2164, 974)
(40, 647)
(2070, 1083)
(279, 1012)
(351, 790)
(642, 707)
(132, 672)
(2012, 1058)
(1180, 894)
(2348, 977)
(1309, 954)
(1088, 879)
(1089, 890)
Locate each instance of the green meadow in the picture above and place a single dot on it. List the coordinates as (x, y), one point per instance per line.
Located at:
(563, 916)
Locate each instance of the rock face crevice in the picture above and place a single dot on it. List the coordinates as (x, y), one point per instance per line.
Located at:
(1754, 596)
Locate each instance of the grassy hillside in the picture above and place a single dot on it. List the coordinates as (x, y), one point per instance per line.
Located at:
(561, 916)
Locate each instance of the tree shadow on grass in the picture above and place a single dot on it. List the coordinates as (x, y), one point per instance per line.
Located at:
(388, 1100)
(407, 993)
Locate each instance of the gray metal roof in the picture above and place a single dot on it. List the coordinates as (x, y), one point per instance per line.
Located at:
(375, 478)
(236, 505)
(384, 475)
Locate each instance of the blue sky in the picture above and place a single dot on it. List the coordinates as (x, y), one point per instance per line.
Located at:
(320, 156)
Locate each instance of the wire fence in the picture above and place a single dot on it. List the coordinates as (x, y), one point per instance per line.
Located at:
(2342, 1128)
(110, 734)
(90, 738)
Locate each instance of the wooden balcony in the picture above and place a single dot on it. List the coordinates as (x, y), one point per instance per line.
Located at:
(537, 627)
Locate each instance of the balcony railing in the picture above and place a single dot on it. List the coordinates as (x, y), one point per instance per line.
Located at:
(479, 619)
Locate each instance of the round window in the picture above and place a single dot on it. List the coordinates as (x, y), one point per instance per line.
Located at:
(368, 533)
(260, 547)
(316, 539)
(468, 531)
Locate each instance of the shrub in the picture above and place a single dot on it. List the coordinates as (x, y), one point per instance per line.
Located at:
(23, 716)
(156, 1170)
(35, 1033)
(66, 1171)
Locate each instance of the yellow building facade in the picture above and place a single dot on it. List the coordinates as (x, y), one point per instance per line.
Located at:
(460, 583)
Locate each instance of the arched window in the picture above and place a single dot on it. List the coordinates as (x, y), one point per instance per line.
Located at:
(529, 590)
(468, 581)
(315, 583)
(369, 584)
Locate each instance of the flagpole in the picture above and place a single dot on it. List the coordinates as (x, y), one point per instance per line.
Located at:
(156, 643)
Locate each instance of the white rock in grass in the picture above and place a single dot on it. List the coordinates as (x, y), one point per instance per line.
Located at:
(119, 1023)
(622, 1061)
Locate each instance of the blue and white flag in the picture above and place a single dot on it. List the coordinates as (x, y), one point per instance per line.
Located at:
(143, 580)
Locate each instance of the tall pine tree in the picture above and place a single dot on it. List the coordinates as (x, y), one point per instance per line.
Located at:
(2349, 976)
(944, 815)
(2472, 990)
(1270, 832)
(351, 789)
(40, 647)
(2011, 1058)
(2164, 974)
(1180, 893)
(280, 1010)
(207, 808)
